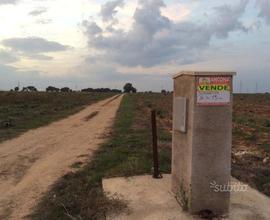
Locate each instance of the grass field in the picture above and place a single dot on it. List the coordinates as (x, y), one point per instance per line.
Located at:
(22, 111)
(78, 195)
(251, 141)
(127, 152)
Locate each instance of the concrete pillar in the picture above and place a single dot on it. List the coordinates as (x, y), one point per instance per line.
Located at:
(202, 137)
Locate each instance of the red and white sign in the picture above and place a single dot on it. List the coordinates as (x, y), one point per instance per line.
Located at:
(214, 90)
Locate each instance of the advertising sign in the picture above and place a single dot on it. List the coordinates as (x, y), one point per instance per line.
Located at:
(213, 90)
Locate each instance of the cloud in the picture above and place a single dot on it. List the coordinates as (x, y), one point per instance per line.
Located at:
(7, 57)
(36, 56)
(264, 6)
(228, 19)
(154, 39)
(38, 11)
(44, 21)
(6, 2)
(102, 74)
(108, 10)
(34, 45)
(176, 12)
(91, 28)
(10, 76)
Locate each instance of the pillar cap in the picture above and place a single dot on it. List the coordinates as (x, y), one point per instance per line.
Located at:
(204, 73)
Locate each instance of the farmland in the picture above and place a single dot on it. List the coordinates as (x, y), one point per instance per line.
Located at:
(33, 161)
(22, 111)
(251, 141)
(127, 152)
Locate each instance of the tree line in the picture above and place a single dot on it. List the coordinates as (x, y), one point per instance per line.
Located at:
(128, 88)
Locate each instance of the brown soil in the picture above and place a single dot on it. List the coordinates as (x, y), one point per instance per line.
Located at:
(251, 141)
(31, 163)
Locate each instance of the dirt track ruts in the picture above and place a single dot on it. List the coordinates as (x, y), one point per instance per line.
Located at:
(31, 163)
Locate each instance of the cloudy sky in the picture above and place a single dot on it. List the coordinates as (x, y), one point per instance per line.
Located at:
(101, 43)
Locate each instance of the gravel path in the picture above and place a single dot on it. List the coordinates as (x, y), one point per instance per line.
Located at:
(32, 162)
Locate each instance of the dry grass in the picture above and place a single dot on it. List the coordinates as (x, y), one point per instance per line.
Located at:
(128, 152)
(251, 141)
(21, 111)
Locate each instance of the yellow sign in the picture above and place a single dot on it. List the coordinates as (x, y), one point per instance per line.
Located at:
(213, 90)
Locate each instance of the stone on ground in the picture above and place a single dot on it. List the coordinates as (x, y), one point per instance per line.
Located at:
(152, 199)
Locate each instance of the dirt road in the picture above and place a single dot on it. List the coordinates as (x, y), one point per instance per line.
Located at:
(30, 163)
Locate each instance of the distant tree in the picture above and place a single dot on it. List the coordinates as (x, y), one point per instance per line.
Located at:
(29, 89)
(116, 91)
(52, 89)
(66, 89)
(87, 90)
(164, 92)
(133, 90)
(32, 89)
(16, 89)
(101, 90)
(128, 88)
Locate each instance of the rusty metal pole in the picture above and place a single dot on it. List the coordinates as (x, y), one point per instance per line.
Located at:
(156, 173)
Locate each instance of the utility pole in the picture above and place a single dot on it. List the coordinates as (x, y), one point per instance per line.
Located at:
(240, 87)
(256, 88)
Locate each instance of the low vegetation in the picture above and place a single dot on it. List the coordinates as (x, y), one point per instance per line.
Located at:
(127, 152)
(21, 111)
(251, 141)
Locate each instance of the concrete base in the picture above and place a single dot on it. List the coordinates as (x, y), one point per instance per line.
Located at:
(152, 199)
